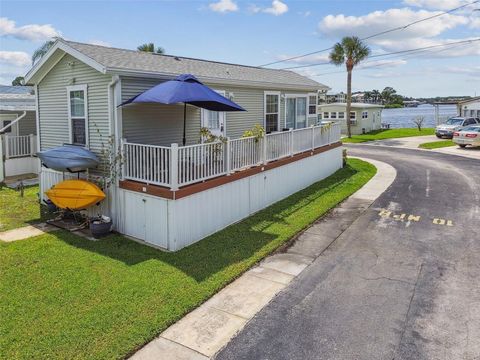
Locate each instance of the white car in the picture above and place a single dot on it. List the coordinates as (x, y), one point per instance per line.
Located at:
(454, 124)
(469, 135)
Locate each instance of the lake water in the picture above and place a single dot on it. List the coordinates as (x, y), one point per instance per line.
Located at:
(403, 117)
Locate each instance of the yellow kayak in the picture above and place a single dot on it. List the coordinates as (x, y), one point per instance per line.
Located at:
(75, 194)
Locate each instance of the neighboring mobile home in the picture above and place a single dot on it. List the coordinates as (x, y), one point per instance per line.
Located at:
(469, 108)
(17, 131)
(363, 117)
(169, 195)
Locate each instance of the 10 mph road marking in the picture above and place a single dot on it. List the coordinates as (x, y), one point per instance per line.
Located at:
(387, 214)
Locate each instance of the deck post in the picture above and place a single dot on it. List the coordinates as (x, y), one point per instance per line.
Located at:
(32, 144)
(7, 150)
(264, 149)
(291, 142)
(122, 164)
(313, 138)
(174, 167)
(228, 157)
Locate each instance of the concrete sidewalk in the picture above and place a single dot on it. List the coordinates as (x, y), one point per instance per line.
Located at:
(207, 329)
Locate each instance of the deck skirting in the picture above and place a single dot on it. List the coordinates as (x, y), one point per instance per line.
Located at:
(173, 220)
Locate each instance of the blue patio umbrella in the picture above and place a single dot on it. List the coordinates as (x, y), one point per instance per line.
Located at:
(186, 89)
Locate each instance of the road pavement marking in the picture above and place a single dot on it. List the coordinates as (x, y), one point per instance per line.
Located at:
(387, 214)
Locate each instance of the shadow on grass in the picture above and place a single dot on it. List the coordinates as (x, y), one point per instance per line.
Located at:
(242, 244)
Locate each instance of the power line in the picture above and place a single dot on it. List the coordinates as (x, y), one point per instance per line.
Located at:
(383, 64)
(391, 53)
(375, 35)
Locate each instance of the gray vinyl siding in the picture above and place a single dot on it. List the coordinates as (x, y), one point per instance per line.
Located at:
(163, 124)
(53, 106)
(154, 123)
(26, 125)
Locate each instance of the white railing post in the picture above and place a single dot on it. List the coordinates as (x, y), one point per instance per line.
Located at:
(174, 167)
(32, 144)
(7, 150)
(291, 142)
(122, 158)
(264, 149)
(313, 138)
(228, 166)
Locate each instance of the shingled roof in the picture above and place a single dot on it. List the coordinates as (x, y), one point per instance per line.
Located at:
(139, 63)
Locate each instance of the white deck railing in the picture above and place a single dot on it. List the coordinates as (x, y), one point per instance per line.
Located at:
(176, 166)
(19, 146)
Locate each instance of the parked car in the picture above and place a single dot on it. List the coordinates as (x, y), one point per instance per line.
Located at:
(454, 124)
(469, 135)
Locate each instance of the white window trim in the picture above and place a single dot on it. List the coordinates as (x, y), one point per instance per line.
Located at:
(265, 93)
(308, 104)
(85, 104)
(221, 113)
(338, 115)
(10, 117)
(365, 112)
(354, 113)
(333, 112)
(325, 117)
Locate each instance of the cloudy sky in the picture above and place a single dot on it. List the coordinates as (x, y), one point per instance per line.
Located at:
(260, 32)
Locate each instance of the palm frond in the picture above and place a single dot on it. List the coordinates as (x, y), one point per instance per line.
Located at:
(337, 55)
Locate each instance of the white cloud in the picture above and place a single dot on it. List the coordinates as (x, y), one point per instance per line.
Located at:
(16, 58)
(435, 4)
(466, 70)
(223, 6)
(99, 42)
(33, 32)
(254, 9)
(336, 26)
(311, 59)
(277, 8)
(455, 50)
(381, 63)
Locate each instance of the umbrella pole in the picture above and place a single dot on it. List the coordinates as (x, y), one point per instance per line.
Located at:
(184, 122)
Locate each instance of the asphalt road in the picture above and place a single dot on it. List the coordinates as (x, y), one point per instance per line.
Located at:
(402, 282)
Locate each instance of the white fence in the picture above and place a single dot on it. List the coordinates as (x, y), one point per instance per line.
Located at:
(180, 166)
(19, 146)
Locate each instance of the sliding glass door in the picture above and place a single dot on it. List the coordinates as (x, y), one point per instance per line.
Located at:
(296, 112)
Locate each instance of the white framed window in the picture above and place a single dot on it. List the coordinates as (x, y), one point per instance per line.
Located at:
(364, 114)
(214, 120)
(353, 115)
(271, 111)
(326, 115)
(341, 114)
(7, 119)
(77, 114)
(312, 104)
(333, 115)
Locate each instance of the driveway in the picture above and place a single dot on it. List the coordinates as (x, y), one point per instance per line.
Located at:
(414, 141)
(400, 283)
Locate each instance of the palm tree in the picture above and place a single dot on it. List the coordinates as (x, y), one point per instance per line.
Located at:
(376, 96)
(367, 96)
(150, 47)
(350, 51)
(42, 50)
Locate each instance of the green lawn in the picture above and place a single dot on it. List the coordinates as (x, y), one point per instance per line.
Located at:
(16, 211)
(388, 134)
(65, 297)
(437, 144)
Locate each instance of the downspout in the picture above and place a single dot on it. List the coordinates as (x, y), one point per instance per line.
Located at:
(13, 122)
(114, 208)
